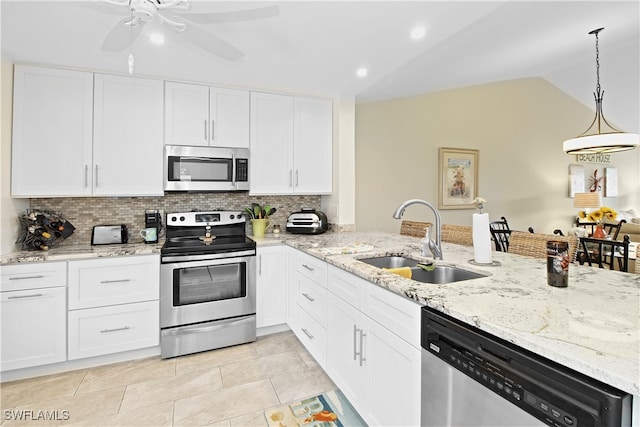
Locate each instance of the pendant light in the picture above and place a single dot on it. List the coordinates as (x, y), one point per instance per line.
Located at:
(600, 137)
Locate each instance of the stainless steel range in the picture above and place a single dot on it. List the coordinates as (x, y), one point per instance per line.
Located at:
(207, 283)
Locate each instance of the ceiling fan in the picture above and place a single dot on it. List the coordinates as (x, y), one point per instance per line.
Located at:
(143, 12)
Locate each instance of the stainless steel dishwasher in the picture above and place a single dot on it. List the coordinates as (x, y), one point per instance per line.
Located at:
(471, 378)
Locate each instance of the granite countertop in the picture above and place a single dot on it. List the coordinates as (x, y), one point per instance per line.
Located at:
(80, 251)
(592, 326)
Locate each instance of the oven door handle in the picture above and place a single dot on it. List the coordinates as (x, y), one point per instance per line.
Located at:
(220, 258)
(219, 324)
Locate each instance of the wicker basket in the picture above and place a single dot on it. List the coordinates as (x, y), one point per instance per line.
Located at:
(414, 228)
(458, 234)
(535, 245)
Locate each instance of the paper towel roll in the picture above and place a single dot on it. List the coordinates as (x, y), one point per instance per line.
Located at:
(481, 239)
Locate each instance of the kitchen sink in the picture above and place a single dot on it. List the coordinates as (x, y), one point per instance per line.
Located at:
(440, 274)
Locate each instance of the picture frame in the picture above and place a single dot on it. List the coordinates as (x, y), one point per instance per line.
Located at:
(457, 178)
(610, 182)
(576, 180)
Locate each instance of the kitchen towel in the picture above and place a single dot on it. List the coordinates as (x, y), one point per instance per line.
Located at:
(402, 271)
(481, 239)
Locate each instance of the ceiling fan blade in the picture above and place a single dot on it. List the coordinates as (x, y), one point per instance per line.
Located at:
(208, 42)
(122, 35)
(240, 15)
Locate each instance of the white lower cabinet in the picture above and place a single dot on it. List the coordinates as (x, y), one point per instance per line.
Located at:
(307, 302)
(271, 289)
(33, 327)
(33, 307)
(377, 370)
(113, 305)
(111, 329)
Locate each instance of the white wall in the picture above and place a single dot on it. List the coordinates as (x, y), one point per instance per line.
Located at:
(518, 127)
(9, 208)
(340, 205)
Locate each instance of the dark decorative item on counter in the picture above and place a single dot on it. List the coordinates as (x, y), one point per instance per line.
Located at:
(41, 230)
(557, 264)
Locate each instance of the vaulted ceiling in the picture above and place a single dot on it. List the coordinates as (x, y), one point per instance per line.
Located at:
(315, 47)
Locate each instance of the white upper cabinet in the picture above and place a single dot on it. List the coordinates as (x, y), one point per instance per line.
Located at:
(271, 163)
(200, 115)
(128, 134)
(52, 132)
(313, 134)
(291, 145)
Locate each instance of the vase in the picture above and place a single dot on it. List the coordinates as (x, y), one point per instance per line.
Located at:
(259, 226)
(599, 233)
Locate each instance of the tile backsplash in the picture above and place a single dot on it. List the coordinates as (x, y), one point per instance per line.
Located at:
(85, 212)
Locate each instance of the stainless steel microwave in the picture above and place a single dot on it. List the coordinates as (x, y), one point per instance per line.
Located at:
(201, 169)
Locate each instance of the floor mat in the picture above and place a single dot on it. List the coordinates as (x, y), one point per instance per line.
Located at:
(327, 409)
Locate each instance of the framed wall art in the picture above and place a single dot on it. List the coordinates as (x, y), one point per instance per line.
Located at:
(457, 178)
(610, 182)
(576, 180)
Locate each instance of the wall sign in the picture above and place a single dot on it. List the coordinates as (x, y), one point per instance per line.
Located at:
(602, 158)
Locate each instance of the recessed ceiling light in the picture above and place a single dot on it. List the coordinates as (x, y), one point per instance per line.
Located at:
(362, 72)
(418, 32)
(156, 38)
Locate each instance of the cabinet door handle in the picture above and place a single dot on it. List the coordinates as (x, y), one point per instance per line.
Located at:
(308, 268)
(115, 281)
(205, 129)
(106, 331)
(290, 177)
(357, 353)
(297, 177)
(39, 276)
(355, 342)
(26, 296)
(86, 176)
(213, 130)
(362, 337)
(260, 265)
(307, 296)
(307, 333)
(96, 176)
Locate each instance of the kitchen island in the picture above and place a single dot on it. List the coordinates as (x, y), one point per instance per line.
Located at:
(592, 326)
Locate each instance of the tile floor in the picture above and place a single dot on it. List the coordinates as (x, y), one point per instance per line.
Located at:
(226, 387)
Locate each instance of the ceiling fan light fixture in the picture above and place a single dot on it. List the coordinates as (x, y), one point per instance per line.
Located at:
(600, 137)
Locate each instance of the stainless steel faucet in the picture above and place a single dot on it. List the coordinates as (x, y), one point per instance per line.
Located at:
(434, 246)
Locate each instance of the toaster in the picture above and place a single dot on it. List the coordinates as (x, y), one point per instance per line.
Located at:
(307, 221)
(109, 234)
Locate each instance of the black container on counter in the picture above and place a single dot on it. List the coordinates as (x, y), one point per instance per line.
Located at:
(557, 263)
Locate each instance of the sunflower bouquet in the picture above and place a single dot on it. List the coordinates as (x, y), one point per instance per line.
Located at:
(599, 216)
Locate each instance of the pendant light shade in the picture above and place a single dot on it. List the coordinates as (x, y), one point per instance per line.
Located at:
(600, 137)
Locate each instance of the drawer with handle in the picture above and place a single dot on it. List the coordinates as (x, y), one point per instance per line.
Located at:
(110, 281)
(105, 330)
(312, 335)
(312, 267)
(312, 298)
(18, 277)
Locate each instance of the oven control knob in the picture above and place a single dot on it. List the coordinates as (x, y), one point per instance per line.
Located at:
(239, 216)
(173, 219)
(181, 218)
(232, 216)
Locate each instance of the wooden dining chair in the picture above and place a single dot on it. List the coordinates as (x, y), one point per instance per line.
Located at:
(414, 228)
(535, 244)
(458, 234)
(500, 233)
(605, 253)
